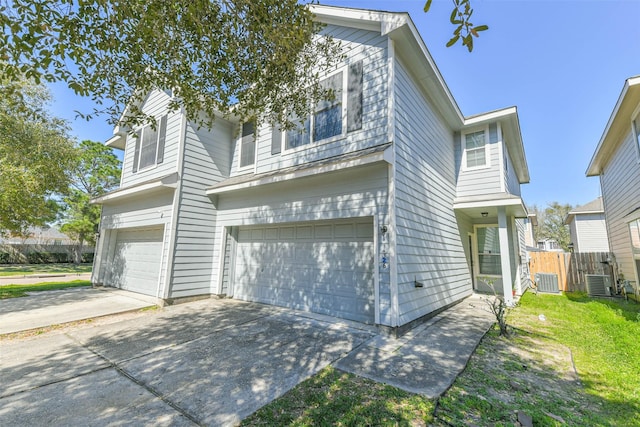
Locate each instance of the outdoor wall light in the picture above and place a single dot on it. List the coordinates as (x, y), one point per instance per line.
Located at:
(484, 214)
(383, 229)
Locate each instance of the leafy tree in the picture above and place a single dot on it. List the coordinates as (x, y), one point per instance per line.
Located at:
(551, 224)
(97, 172)
(461, 19)
(36, 156)
(254, 58)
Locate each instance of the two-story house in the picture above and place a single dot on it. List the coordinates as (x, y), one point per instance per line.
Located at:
(390, 205)
(588, 228)
(616, 161)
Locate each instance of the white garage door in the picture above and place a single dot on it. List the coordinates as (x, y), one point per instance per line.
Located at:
(324, 267)
(136, 261)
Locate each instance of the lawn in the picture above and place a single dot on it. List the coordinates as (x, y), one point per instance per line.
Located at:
(15, 291)
(530, 374)
(27, 269)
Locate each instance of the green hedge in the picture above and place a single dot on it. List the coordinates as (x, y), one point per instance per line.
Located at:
(42, 258)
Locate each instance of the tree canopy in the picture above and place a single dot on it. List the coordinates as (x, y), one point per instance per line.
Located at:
(460, 18)
(551, 224)
(36, 155)
(252, 58)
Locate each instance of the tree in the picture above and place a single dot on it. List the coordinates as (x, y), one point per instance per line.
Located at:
(36, 157)
(97, 172)
(461, 18)
(252, 58)
(551, 224)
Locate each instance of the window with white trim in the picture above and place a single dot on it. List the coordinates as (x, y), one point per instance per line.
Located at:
(475, 149)
(634, 231)
(489, 262)
(334, 117)
(149, 148)
(248, 144)
(636, 130)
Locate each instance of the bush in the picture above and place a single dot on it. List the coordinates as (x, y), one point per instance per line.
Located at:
(87, 257)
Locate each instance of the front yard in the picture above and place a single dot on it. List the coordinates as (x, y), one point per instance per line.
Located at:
(531, 374)
(29, 269)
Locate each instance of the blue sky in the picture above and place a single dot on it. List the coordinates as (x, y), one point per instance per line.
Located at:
(562, 63)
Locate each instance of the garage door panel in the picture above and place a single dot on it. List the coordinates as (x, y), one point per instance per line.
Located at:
(137, 258)
(324, 267)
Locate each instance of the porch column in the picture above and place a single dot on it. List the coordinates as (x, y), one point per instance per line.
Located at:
(505, 255)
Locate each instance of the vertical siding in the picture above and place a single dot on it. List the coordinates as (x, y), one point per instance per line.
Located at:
(479, 181)
(206, 161)
(429, 245)
(621, 195)
(369, 47)
(591, 233)
(155, 105)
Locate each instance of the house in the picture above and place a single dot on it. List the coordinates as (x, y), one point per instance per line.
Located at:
(616, 161)
(391, 207)
(530, 222)
(549, 245)
(587, 227)
(39, 236)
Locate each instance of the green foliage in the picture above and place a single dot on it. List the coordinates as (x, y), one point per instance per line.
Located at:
(261, 57)
(551, 224)
(97, 172)
(460, 17)
(36, 156)
(15, 291)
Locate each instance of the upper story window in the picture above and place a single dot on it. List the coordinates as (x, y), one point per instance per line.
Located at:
(149, 149)
(248, 144)
(636, 130)
(335, 117)
(475, 149)
(634, 230)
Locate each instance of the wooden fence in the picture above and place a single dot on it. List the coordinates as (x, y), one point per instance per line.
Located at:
(571, 267)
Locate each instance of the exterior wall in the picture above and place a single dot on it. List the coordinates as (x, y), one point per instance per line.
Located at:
(140, 212)
(512, 185)
(206, 161)
(590, 233)
(621, 195)
(357, 45)
(480, 181)
(430, 248)
(354, 192)
(155, 105)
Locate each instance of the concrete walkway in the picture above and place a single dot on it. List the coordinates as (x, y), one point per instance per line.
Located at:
(214, 362)
(41, 309)
(42, 278)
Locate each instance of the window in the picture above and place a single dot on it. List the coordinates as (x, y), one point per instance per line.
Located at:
(149, 149)
(475, 149)
(634, 230)
(248, 144)
(331, 118)
(636, 130)
(489, 262)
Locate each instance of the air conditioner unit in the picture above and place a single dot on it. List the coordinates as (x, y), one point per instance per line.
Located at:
(547, 282)
(598, 284)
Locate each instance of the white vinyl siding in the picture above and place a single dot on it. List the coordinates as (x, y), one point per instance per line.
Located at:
(363, 46)
(479, 181)
(207, 155)
(155, 105)
(512, 184)
(621, 195)
(636, 134)
(430, 248)
(590, 233)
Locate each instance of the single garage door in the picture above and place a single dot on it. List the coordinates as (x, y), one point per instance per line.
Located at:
(136, 260)
(323, 267)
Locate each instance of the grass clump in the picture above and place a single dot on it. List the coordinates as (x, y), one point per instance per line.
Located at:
(16, 291)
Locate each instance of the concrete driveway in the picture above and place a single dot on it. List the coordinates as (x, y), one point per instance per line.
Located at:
(210, 362)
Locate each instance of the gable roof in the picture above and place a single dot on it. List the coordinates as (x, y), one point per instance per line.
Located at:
(593, 207)
(618, 125)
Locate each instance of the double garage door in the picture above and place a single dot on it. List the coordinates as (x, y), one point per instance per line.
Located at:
(323, 267)
(136, 260)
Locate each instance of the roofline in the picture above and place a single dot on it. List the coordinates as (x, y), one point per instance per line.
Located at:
(594, 168)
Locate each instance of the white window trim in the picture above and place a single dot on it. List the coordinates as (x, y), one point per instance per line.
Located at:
(635, 132)
(255, 149)
(477, 251)
(345, 80)
(487, 152)
(155, 163)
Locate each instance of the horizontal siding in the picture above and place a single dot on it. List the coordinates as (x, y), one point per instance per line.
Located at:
(207, 155)
(512, 184)
(357, 45)
(155, 105)
(479, 181)
(591, 233)
(430, 248)
(621, 195)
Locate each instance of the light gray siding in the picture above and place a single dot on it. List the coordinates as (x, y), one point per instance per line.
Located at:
(358, 45)
(621, 194)
(206, 161)
(590, 233)
(350, 193)
(155, 105)
(512, 185)
(429, 246)
(477, 182)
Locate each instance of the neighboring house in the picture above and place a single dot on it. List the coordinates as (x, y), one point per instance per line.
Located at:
(617, 162)
(39, 236)
(549, 245)
(588, 228)
(530, 222)
(390, 208)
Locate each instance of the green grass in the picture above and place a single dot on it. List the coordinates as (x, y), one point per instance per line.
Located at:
(336, 398)
(27, 269)
(15, 291)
